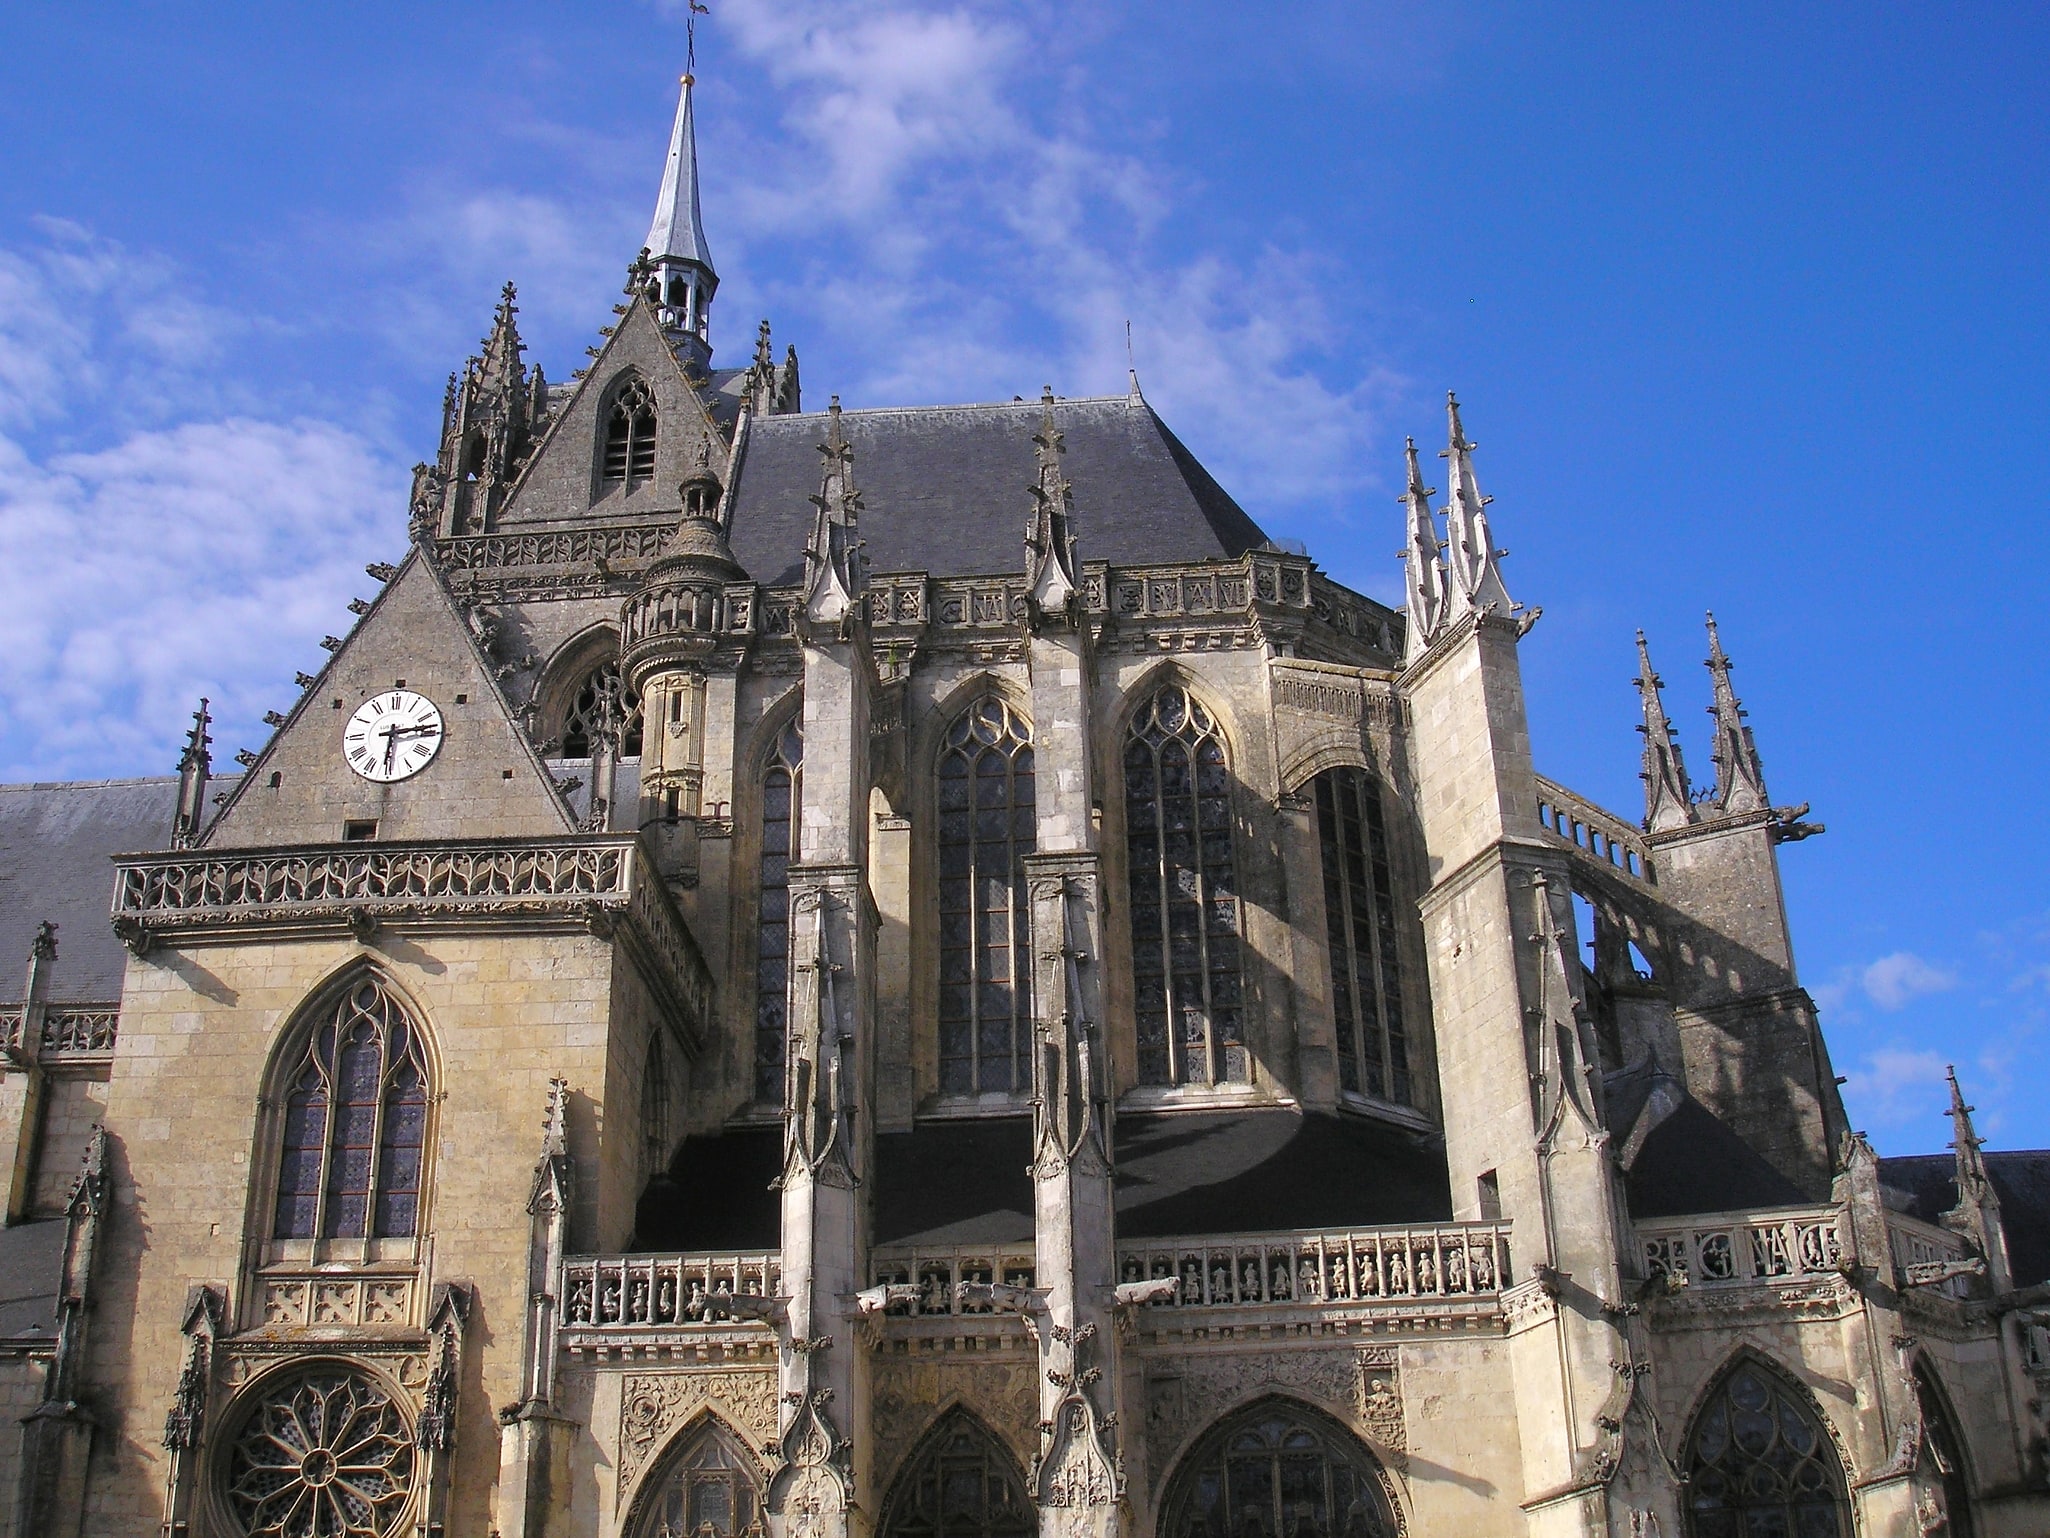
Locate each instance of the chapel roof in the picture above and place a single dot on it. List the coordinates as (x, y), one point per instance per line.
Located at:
(1925, 1186)
(946, 489)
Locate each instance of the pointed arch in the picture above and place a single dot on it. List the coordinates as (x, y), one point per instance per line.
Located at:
(959, 1481)
(1181, 864)
(345, 1139)
(706, 1478)
(777, 784)
(566, 701)
(1943, 1462)
(1361, 918)
(1759, 1448)
(627, 426)
(1278, 1468)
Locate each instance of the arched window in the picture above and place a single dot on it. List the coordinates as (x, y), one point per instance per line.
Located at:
(323, 1453)
(987, 823)
(655, 1107)
(1359, 917)
(355, 1124)
(960, 1482)
(1760, 1461)
(782, 786)
(587, 711)
(1278, 1470)
(629, 436)
(1185, 906)
(1942, 1457)
(707, 1489)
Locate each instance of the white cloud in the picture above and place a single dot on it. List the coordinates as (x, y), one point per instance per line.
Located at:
(156, 563)
(1895, 1086)
(1894, 981)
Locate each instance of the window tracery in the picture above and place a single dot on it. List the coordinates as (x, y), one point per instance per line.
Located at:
(355, 1124)
(987, 822)
(1187, 986)
(629, 436)
(1760, 1461)
(1278, 1470)
(708, 1489)
(1360, 921)
(655, 1107)
(782, 789)
(324, 1453)
(586, 713)
(960, 1482)
(1943, 1456)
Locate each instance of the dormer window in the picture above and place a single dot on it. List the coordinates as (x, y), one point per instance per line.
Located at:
(629, 437)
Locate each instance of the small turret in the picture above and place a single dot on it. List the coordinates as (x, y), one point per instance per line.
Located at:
(491, 418)
(1476, 576)
(194, 765)
(1739, 775)
(1050, 580)
(1425, 578)
(1668, 798)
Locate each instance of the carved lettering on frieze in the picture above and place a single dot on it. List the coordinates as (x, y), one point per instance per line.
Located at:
(1188, 1393)
(651, 1406)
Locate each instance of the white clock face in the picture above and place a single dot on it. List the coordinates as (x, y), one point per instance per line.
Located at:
(392, 735)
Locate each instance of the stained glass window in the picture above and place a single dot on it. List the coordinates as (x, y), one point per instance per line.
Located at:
(629, 436)
(707, 1490)
(1278, 1470)
(1360, 920)
(321, 1454)
(355, 1124)
(604, 687)
(960, 1482)
(987, 823)
(1187, 992)
(782, 788)
(1760, 1462)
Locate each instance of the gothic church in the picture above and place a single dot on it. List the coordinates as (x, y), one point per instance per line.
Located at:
(908, 973)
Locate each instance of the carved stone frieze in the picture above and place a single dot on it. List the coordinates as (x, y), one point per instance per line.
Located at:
(1186, 1393)
(910, 1393)
(653, 1405)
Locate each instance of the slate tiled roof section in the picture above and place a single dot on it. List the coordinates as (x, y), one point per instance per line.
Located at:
(1925, 1186)
(945, 489)
(1692, 1162)
(55, 844)
(31, 1259)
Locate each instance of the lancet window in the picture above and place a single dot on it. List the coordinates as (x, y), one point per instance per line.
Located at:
(1278, 1470)
(960, 1482)
(655, 1106)
(604, 690)
(629, 436)
(1360, 922)
(1184, 896)
(708, 1489)
(1760, 1461)
(987, 824)
(782, 789)
(355, 1124)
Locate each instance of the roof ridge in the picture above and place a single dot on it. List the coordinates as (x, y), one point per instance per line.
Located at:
(133, 779)
(1019, 403)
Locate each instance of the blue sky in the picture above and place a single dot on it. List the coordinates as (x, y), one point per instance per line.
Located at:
(1747, 305)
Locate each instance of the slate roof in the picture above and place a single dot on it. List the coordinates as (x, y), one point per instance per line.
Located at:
(1693, 1162)
(55, 842)
(31, 1260)
(1925, 1186)
(964, 1182)
(945, 489)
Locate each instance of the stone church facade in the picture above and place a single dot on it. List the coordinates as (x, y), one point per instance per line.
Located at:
(746, 997)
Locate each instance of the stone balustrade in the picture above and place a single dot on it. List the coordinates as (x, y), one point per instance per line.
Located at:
(1599, 835)
(936, 1273)
(82, 1032)
(1740, 1249)
(1932, 1258)
(1355, 1266)
(639, 1292)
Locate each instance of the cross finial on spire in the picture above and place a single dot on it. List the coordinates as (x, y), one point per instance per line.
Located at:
(1425, 577)
(1668, 798)
(1739, 773)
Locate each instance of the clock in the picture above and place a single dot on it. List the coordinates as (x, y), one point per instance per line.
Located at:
(392, 736)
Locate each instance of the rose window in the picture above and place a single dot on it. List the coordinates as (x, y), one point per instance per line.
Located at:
(325, 1454)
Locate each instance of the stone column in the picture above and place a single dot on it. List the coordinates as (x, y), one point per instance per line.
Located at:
(533, 1475)
(823, 1488)
(1517, 1068)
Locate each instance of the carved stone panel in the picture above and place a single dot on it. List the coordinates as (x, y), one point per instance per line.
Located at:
(1185, 1394)
(652, 1405)
(909, 1394)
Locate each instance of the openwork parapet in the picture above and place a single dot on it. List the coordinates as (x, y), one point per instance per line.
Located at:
(1444, 1260)
(937, 1273)
(1594, 833)
(69, 1030)
(1738, 1249)
(636, 1292)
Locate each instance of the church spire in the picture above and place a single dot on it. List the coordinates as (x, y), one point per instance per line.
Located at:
(1425, 578)
(1668, 798)
(1739, 774)
(682, 279)
(1476, 578)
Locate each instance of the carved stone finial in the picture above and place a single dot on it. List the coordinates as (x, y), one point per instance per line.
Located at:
(1051, 583)
(44, 946)
(1739, 772)
(1472, 557)
(1424, 579)
(194, 765)
(1668, 798)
